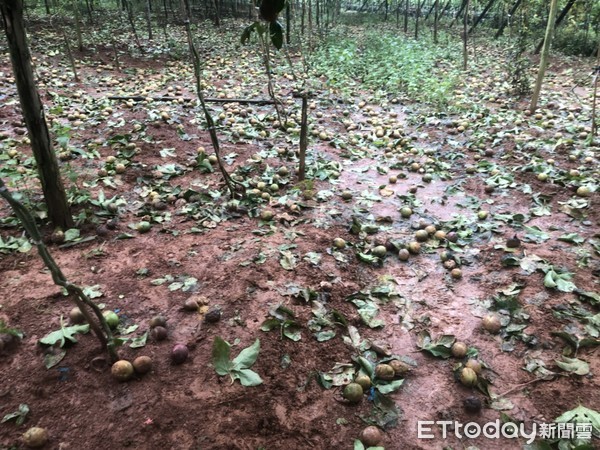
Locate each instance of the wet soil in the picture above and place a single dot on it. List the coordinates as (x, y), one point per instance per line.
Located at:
(238, 261)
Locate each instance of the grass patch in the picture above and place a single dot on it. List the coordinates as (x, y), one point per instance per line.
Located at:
(380, 60)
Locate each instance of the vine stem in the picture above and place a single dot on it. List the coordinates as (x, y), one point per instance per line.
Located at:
(279, 108)
(80, 298)
(522, 385)
(235, 188)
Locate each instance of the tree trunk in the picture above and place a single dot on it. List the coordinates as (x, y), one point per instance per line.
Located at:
(302, 17)
(510, 14)
(445, 8)
(586, 24)
(433, 5)
(465, 34)
(310, 26)
(288, 22)
(419, 5)
(88, 8)
(482, 15)
(33, 113)
(217, 13)
(129, 9)
(303, 138)
(544, 58)
(78, 25)
(148, 20)
(436, 17)
(459, 13)
(70, 56)
(116, 53)
(559, 20)
(406, 16)
(595, 94)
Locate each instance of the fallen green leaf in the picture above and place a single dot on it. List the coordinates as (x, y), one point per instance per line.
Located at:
(64, 334)
(18, 416)
(573, 365)
(239, 367)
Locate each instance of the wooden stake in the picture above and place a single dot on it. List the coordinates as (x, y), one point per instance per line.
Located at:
(303, 138)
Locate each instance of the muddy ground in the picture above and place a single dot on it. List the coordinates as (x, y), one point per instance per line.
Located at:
(246, 264)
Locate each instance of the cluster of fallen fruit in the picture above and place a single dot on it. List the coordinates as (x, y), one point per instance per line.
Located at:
(380, 374)
(353, 392)
(468, 373)
(124, 370)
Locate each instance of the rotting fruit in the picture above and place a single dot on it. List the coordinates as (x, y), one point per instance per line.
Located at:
(159, 333)
(143, 226)
(385, 372)
(491, 323)
(406, 212)
(400, 367)
(266, 215)
(421, 235)
(35, 437)
(142, 364)
(371, 436)
(112, 319)
(122, 370)
(456, 273)
(459, 349)
(353, 392)
(414, 247)
(583, 191)
(468, 377)
(191, 304)
(379, 251)
(364, 381)
(179, 353)
(403, 254)
(474, 365)
(472, 404)
(440, 235)
(76, 316)
(158, 321)
(339, 243)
